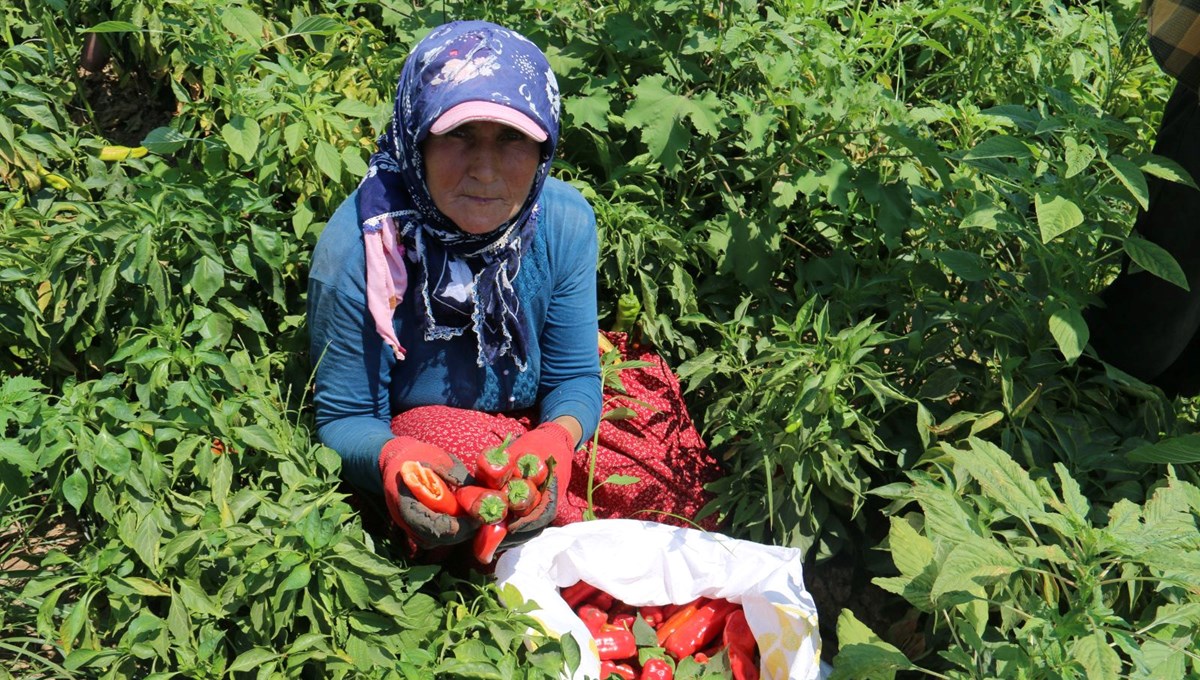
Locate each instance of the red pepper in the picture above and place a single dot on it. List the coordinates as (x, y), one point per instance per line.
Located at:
(742, 665)
(610, 668)
(615, 642)
(428, 488)
(624, 621)
(657, 669)
(700, 657)
(737, 632)
(741, 646)
(486, 505)
(530, 467)
(699, 629)
(522, 496)
(653, 614)
(487, 539)
(494, 467)
(593, 618)
(601, 600)
(578, 592)
(682, 614)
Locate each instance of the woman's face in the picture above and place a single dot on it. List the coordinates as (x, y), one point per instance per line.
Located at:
(480, 173)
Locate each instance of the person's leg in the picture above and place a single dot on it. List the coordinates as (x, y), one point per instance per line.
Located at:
(1146, 323)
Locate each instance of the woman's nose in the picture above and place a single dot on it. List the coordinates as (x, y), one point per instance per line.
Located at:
(484, 162)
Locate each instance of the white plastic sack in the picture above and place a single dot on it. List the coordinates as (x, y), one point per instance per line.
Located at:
(646, 563)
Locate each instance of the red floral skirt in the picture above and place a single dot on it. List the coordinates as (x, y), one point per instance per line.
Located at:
(649, 461)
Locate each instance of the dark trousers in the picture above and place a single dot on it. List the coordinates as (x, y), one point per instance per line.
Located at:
(1148, 327)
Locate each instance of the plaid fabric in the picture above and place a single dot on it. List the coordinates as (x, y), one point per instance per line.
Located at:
(1173, 30)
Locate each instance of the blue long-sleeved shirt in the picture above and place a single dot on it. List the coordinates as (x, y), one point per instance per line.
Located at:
(360, 385)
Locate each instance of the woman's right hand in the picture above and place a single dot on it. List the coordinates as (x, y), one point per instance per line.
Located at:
(425, 528)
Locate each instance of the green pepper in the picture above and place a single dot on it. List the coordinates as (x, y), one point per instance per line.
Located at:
(629, 306)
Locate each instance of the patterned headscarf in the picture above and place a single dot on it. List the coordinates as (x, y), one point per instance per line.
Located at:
(465, 280)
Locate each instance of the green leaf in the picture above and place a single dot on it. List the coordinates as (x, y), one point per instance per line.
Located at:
(945, 517)
(298, 578)
(258, 437)
(1079, 157)
(658, 113)
(73, 624)
(208, 277)
(268, 244)
(619, 413)
(572, 654)
(81, 658)
(317, 25)
(242, 134)
(965, 265)
(146, 542)
(1070, 332)
(970, 565)
(294, 134)
(145, 586)
(242, 22)
(862, 654)
(40, 114)
(911, 551)
(1181, 450)
(352, 108)
(1131, 176)
(1099, 660)
(164, 140)
(19, 455)
(590, 108)
(112, 27)
(111, 454)
(1000, 146)
(1075, 503)
(986, 421)
(1000, 477)
(1056, 215)
(251, 659)
(621, 480)
(368, 563)
(1156, 260)
(328, 160)
(75, 489)
(469, 670)
(1168, 169)
(353, 161)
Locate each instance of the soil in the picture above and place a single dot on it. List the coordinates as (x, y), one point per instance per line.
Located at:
(124, 105)
(21, 547)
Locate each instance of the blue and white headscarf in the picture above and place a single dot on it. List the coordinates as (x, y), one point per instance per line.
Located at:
(465, 281)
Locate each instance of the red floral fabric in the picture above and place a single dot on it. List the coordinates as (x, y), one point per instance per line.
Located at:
(659, 446)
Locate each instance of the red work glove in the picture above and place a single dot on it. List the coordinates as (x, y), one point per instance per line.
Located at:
(424, 527)
(553, 444)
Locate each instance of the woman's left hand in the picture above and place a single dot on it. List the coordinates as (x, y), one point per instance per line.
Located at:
(549, 441)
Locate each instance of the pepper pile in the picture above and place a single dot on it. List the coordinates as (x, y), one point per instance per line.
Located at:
(509, 487)
(698, 630)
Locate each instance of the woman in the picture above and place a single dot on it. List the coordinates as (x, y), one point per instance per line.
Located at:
(452, 298)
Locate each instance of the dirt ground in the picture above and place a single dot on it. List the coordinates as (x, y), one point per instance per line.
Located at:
(124, 105)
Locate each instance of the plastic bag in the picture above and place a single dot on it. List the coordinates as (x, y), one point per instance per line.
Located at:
(646, 563)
